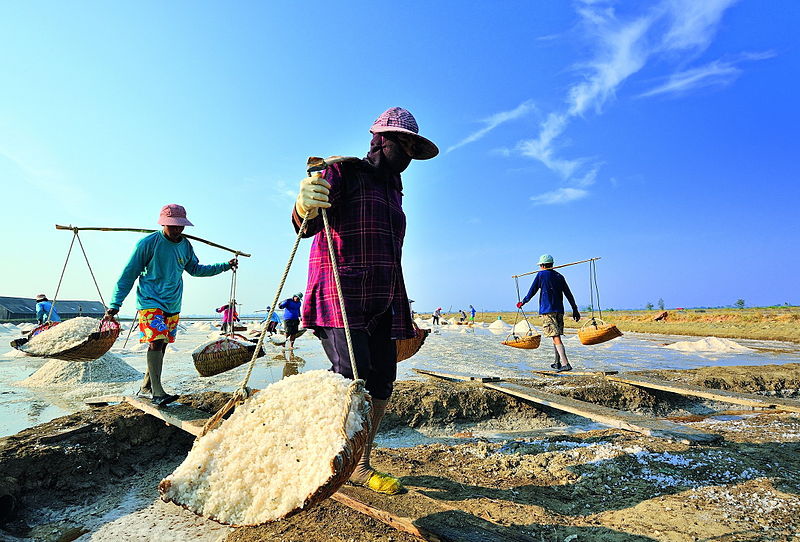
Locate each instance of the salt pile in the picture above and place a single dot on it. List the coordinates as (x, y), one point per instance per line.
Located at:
(68, 334)
(499, 325)
(709, 344)
(202, 326)
(522, 327)
(271, 454)
(231, 343)
(25, 327)
(106, 368)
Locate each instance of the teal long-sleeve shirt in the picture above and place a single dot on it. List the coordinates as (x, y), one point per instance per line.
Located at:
(159, 264)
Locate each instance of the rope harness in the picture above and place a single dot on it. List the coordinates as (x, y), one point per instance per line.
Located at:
(531, 329)
(594, 291)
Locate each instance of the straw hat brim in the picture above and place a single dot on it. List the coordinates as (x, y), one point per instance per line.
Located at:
(426, 149)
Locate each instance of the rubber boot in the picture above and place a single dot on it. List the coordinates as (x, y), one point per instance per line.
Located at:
(562, 354)
(556, 364)
(146, 388)
(155, 360)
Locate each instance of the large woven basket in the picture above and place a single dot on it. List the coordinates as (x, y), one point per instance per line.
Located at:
(596, 331)
(408, 347)
(342, 466)
(94, 346)
(528, 342)
(214, 359)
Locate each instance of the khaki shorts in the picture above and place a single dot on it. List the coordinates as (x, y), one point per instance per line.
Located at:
(553, 324)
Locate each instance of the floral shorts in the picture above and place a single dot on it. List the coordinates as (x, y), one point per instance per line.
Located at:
(157, 325)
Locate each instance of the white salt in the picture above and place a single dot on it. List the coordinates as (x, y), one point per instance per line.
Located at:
(522, 327)
(273, 453)
(106, 368)
(709, 344)
(499, 325)
(66, 335)
(230, 343)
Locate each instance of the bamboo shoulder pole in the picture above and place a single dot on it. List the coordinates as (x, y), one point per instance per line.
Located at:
(213, 244)
(555, 267)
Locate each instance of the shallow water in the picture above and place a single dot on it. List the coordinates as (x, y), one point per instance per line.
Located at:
(451, 349)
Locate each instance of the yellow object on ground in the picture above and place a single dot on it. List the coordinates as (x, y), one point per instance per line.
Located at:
(380, 482)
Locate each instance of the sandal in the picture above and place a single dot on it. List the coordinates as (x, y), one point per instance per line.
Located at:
(380, 482)
(164, 400)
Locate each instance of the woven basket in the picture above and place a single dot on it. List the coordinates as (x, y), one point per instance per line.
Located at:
(408, 347)
(342, 466)
(213, 360)
(596, 331)
(528, 342)
(94, 346)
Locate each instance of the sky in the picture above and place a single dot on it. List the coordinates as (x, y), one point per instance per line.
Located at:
(660, 136)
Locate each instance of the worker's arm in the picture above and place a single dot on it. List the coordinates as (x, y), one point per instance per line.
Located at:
(196, 269)
(568, 294)
(136, 264)
(532, 291)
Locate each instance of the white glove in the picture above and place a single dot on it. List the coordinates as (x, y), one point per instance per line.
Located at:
(313, 194)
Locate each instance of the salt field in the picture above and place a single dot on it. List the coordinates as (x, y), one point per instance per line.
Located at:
(449, 348)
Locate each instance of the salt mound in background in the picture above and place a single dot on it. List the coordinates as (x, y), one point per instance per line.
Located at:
(202, 326)
(499, 325)
(106, 368)
(709, 344)
(271, 454)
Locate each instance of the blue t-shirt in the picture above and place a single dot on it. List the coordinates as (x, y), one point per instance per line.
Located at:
(43, 309)
(291, 309)
(553, 288)
(159, 264)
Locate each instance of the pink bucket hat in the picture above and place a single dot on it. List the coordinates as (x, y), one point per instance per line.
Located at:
(173, 215)
(397, 119)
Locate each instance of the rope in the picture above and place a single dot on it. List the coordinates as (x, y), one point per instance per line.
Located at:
(63, 270)
(130, 329)
(516, 314)
(594, 291)
(90, 269)
(232, 303)
(597, 290)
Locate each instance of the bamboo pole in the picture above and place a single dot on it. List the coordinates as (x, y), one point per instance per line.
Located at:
(73, 228)
(555, 267)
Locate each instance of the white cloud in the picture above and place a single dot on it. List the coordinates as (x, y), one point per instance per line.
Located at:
(693, 23)
(494, 121)
(561, 195)
(716, 73)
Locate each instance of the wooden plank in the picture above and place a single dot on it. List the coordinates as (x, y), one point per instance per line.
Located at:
(399, 523)
(576, 373)
(181, 416)
(461, 377)
(748, 399)
(608, 416)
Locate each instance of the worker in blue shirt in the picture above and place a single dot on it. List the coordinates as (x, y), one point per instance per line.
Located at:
(553, 288)
(43, 314)
(291, 316)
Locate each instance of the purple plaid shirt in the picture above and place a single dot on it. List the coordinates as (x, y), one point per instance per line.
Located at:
(367, 227)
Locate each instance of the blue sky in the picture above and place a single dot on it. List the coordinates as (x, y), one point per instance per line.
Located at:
(658, 135)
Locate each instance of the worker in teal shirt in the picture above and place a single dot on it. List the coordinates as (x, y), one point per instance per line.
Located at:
(43, 310)
(158, 262)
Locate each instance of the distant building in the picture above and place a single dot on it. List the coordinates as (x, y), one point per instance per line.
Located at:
(23, 308)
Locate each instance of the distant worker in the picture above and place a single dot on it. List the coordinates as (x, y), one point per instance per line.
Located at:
(551, 307)
(472, 312)
(274, 321)
(291, 316)
(158, 261)
(436, 315)
(463, 317)
(45, 312)
(229, 316)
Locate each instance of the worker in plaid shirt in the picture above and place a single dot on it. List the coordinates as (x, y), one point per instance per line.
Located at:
(364, 199)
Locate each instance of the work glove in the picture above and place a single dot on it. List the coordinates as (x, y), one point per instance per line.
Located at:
(110, 313)
(576, 315)
(313, 194)
(234, 263)
(519, 304)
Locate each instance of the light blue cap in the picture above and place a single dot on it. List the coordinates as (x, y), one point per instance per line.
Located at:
(545, 258)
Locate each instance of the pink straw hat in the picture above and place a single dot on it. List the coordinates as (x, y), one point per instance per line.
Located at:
(173, 215)
(397, 119)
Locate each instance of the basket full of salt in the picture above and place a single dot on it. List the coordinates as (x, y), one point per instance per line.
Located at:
(408, 347)
(596, 331)
(223, 354)
(76, 339)
(527, 342)
(283, 450)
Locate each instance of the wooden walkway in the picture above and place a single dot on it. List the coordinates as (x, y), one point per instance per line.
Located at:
(608, 416)
(458, 376)
(181, 416)
(747, 399)
(575, 373)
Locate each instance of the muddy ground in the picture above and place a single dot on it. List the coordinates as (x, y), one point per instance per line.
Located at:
(92, 475)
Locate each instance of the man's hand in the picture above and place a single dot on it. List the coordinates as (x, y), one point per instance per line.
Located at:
(234, 263)
(110, 313)
(519, 304)
(313, 194)
(576, 315)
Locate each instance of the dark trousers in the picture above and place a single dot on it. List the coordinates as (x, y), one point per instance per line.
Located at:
(376, 355)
